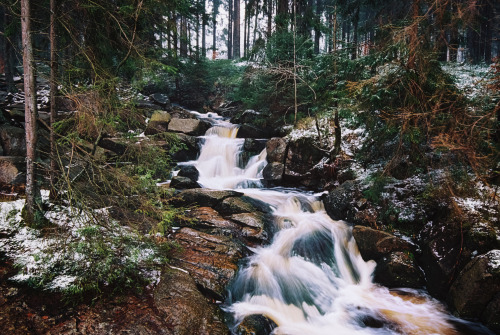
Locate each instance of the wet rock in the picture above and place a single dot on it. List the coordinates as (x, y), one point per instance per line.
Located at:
(244, 204)
(211, 260)
(144, 104)
(184, 308)
(374, 244)
(399, 269)
(190, 151)
(276, 150)
(255, 225)
(256, 325)
(158, 123)
(181, 113)
(273, 172)
(302, 156)
(188, 126)
(181, 183)
(161, 100)
(190, 172)
(491, 314)
(340, 203)
(441, 257)
(204, 197)
(482, 237)
(476, 287)
(250, 131)
(12, 140)
(210, 221)
(254, 145)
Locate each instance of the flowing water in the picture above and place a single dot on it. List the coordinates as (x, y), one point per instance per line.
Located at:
(311, 279)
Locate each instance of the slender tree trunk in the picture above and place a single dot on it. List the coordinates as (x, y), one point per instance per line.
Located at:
(355, 22)
(215, 11)
(236, 30)
(52, 97)
(204, 31)
(175, 39)
(183, 37)
(317, 25)
(269, 18)
(9, 55)
(295, 106)
(32, 192)
(256, 23)
(334, 32)
(282, 15)
(246, 19)
(3, 41)
(197, 27)
(230, 32)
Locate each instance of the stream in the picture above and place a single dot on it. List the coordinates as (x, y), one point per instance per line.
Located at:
(311, 279)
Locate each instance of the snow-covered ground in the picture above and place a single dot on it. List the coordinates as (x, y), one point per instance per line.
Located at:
(38, 253)
(471, 79)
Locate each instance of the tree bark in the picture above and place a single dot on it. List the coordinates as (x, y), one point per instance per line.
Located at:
(183, 37)
(230, 31)
(269, 18)
(236, 30)
(52, 97)
(32, 192)
(317, 25)
(204, 31)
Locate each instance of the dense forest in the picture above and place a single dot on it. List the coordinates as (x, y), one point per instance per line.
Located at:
(112, 219)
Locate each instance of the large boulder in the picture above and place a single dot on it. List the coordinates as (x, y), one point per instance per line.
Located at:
(115, 145)
(11, 171)
(13, 141)
(251, 131)
(374, 244)
(190, 148)
(158, 123)
(302, 155)
(276, 150)
(441, 255)
(476, 287)
(340, 203)
(398, 269)
(180, 183)
(188, 126)
(190, 172)
(161, 100)
(212, 260)
(273, 172)
(204, 197)
(181, 305)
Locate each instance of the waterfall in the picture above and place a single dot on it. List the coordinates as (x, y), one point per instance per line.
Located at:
(311, 279)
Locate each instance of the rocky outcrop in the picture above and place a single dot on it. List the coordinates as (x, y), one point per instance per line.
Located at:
(204, 197)
(340, 203)
(475, 293)
(374, 244)
(276, 150)
(192, 127)
(190, 148)
(250, 131)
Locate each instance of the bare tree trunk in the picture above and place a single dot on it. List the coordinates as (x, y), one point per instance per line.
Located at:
(230, 31)
(204, 31)
(246, 19)
(236, 30)
(295, 61)
(256, 22)
(355, 20)
(269, 18)
(52, 97)
(183, 37)
(9, 56)
(32, 192)
(317, 25)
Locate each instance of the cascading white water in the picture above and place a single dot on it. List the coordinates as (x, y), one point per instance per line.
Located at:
(311, 279)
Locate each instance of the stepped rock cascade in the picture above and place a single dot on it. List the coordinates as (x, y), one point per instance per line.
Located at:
(311, 279)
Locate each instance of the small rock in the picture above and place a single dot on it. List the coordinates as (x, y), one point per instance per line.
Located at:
(12, 140)
(373, 244)
(256, 325)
